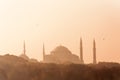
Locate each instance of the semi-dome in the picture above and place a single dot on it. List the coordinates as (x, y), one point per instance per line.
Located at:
(24, 56)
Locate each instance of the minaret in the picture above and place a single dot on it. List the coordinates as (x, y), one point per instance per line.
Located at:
(24, 48)
(81, 52)
(94, 52)
(43, 52)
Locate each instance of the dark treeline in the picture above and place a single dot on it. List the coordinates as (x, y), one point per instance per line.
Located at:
(15, 68)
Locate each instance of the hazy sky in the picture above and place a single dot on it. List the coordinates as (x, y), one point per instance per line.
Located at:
(57, 22)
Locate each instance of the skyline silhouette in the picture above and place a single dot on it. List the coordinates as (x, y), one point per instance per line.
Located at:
(43, 53)
(59, 39)
(61, 54)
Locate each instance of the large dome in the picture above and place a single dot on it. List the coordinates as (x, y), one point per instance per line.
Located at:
(61, 50)
(61, 54)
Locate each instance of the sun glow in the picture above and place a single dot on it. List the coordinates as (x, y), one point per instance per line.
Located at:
(57, 22)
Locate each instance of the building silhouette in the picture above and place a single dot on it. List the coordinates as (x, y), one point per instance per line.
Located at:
(61, 54)
(94, 52)
(23, 55)
(81, 52)
(43, 52)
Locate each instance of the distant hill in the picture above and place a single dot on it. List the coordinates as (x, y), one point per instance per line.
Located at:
(16, 68)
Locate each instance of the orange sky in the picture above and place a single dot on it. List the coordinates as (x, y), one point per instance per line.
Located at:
(56, 22)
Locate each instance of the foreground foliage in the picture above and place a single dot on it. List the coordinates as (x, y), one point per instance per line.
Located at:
(15, 68)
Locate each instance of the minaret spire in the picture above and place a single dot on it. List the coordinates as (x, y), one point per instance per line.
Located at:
(24, 48)
(43, 52)
(81, 52)
(94, 52)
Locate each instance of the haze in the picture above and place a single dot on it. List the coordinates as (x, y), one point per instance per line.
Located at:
(61, 22)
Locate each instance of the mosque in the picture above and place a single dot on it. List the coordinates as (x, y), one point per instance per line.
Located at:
(61, 54)
(24, 56)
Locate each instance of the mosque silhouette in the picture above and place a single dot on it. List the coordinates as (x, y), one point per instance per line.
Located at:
(61, 55)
